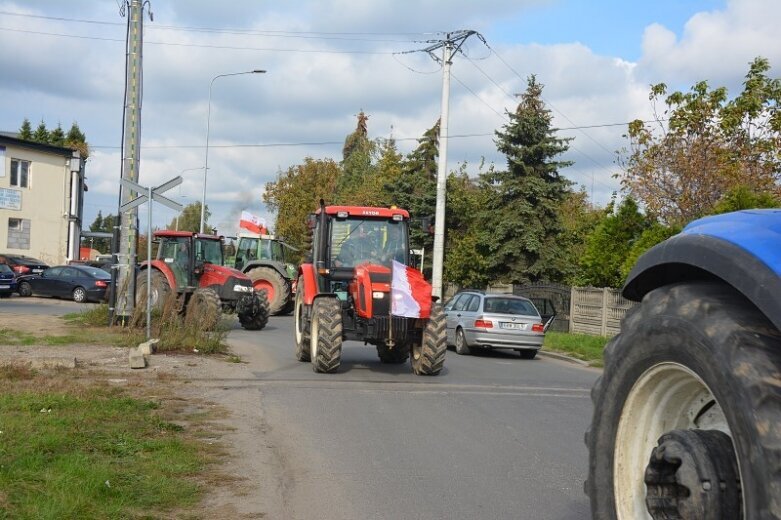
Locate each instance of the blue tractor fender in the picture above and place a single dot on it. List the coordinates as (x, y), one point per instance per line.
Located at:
(742, 249)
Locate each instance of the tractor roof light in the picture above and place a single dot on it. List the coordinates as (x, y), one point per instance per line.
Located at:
(341, 214)
(398, 217)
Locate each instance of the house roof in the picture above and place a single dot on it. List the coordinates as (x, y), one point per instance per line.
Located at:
(6, 138)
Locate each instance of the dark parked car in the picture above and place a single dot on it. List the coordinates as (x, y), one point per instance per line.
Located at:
(21, 264)
(478, 320)
(78, 282)
(7, 281)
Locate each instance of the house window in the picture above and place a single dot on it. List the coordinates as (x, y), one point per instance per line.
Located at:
(18, 233)
(20, 173)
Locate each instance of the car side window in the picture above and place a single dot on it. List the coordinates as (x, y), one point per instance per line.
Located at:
(69, 272)
(462, 302)
(473, 304)
(449, 305)
(54, 272)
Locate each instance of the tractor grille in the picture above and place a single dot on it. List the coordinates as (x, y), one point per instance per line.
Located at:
(400, 326)
(380, 277)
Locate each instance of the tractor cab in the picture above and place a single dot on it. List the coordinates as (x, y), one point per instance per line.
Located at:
(186, 254)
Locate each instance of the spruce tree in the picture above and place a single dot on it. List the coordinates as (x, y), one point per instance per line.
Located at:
(523, 212)
(26, 130)
(57, 136)
(356, 162)
(77, 140)
(41, 135)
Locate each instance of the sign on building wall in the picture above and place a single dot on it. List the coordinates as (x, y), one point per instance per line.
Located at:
(10, 199)
(2, 161)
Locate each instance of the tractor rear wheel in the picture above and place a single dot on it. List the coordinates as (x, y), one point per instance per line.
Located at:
(686, 414)
(396, 355)
(428, 356)
(204, 309)
(326, 335)
(301, 329)
(256, 316)
(160, 289)
(277, 288)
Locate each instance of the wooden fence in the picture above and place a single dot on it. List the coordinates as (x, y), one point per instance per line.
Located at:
(597, 311)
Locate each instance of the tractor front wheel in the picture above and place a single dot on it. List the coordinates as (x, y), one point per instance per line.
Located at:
(301, 328)
(204, 309)
(277, 288)
(686, 413)
(326, 335)
(254, 314)
(428, 356)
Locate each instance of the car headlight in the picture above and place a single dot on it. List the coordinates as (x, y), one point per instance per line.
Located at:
(242, 288)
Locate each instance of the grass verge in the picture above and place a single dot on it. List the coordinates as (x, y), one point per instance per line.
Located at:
(580, 346)
(71, 449)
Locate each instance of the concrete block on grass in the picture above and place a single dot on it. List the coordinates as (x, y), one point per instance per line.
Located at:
(148, 348)
(137, 359)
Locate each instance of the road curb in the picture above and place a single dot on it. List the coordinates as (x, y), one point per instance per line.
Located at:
(563, 357)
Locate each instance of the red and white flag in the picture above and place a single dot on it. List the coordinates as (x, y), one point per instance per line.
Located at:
(410, 293)
(252, 223)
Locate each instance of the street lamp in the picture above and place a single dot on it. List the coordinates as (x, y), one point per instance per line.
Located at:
(208, 118)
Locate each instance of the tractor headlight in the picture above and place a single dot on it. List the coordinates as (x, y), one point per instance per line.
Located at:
(242, 288)
(378, 294)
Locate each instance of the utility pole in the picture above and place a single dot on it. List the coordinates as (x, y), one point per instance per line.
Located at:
(128, 233)
(450, 45)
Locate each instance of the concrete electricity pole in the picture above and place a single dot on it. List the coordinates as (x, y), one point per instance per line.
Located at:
(128, 235)
(450, 45)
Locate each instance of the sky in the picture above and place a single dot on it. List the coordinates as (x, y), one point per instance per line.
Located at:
(326, 60)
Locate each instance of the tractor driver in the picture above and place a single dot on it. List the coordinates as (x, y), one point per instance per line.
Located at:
(364, 245)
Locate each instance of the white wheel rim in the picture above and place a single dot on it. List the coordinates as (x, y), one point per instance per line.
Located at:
(299, 321)
(668, 396)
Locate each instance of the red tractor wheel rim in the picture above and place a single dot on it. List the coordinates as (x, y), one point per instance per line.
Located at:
(264, 284)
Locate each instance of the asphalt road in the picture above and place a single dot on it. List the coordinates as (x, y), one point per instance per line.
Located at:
(493, 436)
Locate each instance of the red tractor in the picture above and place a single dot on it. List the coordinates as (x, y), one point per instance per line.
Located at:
(344, 292)
(191, 265)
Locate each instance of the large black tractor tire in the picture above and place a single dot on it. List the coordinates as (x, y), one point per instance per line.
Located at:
(277, 287)
(255, 317)
(326, 335)
(300, 325)
(160, 289)
(393, 356)
(289, 307)
(428, 356)
(687, 412)
(204, 309)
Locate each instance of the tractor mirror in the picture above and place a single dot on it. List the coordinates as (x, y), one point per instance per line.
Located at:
(414, 260)
(311, 220)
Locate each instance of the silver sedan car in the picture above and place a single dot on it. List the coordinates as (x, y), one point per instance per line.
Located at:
(478, 320)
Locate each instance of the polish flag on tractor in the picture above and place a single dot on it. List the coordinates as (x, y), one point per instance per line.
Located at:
(253, 223)
(410, 293)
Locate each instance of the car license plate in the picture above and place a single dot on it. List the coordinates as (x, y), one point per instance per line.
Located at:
(513, 326)
(5, 286)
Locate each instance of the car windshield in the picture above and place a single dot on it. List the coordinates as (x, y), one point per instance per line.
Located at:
(510, 306)
(355, 241)
(5, 269)
(209, 251)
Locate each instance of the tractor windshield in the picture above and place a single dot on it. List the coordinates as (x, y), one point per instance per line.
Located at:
(208, 251)
(355, 241)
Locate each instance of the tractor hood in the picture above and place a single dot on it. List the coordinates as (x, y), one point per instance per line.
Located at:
(225, 272)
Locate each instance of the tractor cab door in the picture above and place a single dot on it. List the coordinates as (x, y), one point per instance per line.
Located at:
(246, 252)
(176, 252)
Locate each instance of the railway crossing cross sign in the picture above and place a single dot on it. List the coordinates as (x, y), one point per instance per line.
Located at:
(149, 195)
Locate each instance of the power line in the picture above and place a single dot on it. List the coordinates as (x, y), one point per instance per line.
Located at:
(502, 116)
(246, 32)
(197, 45)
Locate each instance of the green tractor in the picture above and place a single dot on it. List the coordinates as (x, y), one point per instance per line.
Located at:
(268, 263)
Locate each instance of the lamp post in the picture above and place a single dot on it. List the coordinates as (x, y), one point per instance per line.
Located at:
(208, 119)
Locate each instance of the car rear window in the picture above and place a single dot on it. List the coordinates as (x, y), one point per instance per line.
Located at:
(510, 306)
(28, 261)
(5, 269)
